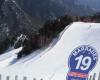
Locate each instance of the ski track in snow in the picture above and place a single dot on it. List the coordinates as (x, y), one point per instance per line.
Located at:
(8, 57)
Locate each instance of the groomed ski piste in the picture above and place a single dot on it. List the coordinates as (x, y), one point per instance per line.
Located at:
(52, 63)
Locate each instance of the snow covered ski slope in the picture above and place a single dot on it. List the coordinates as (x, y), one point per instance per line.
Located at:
(75, 56)
(8, 57)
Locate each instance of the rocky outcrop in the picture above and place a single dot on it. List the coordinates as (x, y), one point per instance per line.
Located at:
(13, 22)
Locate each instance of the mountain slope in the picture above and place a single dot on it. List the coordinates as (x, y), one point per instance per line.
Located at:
(94, 4)
(13, 23)
(51, 9)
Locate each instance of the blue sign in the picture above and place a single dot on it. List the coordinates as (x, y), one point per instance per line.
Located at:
(81, 61)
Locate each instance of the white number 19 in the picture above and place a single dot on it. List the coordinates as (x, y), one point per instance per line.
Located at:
(85, 61)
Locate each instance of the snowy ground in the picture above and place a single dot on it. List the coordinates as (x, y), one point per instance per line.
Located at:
(52, 63)
(8, 57)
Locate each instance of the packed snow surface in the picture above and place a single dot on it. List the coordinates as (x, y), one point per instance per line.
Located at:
(52, 63)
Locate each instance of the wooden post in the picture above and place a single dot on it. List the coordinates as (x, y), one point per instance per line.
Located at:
(41, 79)
(34, 78)
(94, 76)
(0, 77)
(99, 76)
(16, 77)
(7, 78)
(24, 78)
(90, 78)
